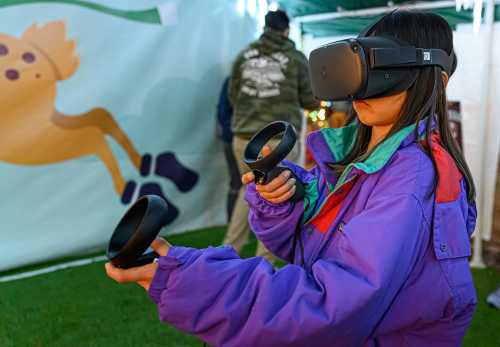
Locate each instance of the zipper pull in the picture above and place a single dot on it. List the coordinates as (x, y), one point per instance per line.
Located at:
(340, 228)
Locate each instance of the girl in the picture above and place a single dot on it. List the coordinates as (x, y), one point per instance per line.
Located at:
(382, 236)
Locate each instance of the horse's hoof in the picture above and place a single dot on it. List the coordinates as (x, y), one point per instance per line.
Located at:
(128, 192)
(145, 164)
(155, 189)
(169, 167)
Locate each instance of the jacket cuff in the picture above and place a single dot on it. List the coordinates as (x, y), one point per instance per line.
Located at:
(176, 257)
(267, 208)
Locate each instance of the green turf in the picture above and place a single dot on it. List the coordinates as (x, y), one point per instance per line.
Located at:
(82, 307)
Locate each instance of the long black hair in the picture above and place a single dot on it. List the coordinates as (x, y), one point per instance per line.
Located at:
(427, 95)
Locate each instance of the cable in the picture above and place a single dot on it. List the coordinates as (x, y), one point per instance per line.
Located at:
(298, 238)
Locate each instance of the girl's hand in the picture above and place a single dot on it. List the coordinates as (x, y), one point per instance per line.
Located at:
(143, 275)
(279, 189)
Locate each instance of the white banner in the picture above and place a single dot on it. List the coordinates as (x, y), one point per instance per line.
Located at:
(102, 101)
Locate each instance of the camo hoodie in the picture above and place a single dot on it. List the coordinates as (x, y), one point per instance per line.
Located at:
(269, 82)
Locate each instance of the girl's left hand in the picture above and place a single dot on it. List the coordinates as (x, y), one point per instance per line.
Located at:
(143, 275)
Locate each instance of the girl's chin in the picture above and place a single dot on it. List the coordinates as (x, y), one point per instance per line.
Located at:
(366, 116)
(367, 121)
(372, 120)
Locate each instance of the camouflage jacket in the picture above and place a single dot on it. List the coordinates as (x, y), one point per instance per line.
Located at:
(269, 81)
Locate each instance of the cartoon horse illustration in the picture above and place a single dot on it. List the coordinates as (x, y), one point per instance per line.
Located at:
(33, 132)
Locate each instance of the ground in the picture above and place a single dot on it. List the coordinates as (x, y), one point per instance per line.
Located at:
(82, 307)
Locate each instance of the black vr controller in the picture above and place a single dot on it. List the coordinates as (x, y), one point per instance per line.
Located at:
(265, 169)
(136, 231)
(370, 66)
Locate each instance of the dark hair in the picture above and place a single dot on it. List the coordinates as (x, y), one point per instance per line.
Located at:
(277, 20)
(427, 95)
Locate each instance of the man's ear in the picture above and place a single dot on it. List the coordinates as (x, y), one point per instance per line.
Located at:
(445, 78)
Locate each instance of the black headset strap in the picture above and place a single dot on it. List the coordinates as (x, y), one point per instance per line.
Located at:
(409, 56)
(438, 57)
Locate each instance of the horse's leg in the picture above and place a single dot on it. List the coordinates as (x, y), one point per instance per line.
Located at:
(102, 119)
(104, 153)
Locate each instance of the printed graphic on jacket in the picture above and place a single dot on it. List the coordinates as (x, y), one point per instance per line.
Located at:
(34, 132)
(261, 74)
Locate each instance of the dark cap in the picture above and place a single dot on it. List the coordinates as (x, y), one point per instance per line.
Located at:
(277, 20)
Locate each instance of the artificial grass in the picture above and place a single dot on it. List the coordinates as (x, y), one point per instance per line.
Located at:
(82, 307)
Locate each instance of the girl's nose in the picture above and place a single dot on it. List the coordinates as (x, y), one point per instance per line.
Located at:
(12, 74)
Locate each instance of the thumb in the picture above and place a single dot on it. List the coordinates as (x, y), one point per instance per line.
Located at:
(247, 178)
(161, 246)
(266, 150)
(144, 284)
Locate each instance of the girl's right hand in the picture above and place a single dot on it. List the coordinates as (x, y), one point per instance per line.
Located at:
(279, 190)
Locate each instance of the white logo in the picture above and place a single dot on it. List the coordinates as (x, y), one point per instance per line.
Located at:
(427, 56)
(262, 74)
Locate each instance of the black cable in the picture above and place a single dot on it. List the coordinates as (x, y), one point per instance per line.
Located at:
(297, 237)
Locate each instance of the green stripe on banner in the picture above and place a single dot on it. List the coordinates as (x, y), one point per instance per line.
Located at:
(146, 16)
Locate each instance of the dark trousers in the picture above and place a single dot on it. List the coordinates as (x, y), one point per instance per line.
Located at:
(234, 179)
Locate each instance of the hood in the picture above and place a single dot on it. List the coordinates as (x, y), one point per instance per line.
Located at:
(270, 42)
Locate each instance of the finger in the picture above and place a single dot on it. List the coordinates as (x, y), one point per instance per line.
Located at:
(160, 246)
(275, 183)
(284, 197)
(248, 178)
(280, 191)
(266, 150)
(134, 274)
(144, 284)
(113, 272)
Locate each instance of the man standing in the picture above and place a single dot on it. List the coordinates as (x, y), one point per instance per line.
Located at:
(269, 82)
(224, 132)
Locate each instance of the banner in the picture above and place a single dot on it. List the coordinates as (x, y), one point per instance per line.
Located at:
(104, 101)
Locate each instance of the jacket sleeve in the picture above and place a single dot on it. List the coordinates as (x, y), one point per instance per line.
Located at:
(228, 301)
(275, 224)
(306, 97)
(235, 81)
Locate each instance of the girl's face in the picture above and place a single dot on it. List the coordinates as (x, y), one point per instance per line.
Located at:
(383, 111)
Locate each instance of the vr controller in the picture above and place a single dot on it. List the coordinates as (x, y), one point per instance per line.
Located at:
(267, 168)
(143, 221)
(136, 231)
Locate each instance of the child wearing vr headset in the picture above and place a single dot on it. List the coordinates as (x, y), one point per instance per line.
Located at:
(379, 245)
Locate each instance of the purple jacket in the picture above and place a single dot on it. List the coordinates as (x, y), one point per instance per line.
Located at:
(385, 260)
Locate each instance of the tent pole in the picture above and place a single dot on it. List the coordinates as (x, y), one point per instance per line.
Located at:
(297, 36)
(477, 259)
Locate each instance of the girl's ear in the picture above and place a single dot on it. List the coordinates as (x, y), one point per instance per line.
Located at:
(445, 78)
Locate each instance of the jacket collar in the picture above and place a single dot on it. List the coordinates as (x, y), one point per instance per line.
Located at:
(275, 41)
(331, 145)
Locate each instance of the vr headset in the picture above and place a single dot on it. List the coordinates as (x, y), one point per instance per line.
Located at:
(370, 66)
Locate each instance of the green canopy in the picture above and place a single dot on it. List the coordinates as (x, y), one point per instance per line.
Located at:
(352, 25)
(297, 8)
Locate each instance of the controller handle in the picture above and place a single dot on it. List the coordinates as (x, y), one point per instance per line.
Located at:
(265, 169)
(138, 228)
